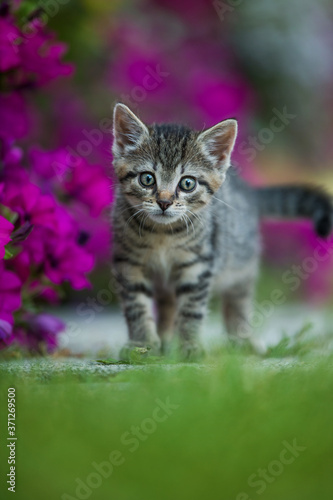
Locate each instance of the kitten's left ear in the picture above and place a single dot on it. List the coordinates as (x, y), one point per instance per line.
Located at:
(128, 130)
(218, 142)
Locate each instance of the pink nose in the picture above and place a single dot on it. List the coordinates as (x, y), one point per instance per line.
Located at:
(164, 204)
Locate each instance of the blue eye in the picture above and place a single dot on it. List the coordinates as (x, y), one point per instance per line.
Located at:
(147, 179)
(187, 184)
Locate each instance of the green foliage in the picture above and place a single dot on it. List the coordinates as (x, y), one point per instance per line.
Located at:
(27, 9)
(8, 254)
(135, 356)
(229, 419)
(303, 343)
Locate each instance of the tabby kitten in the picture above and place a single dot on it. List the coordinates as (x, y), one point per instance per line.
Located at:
(186, 226)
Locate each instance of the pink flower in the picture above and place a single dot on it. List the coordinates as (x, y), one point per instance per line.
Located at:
(14, 120)
(90, 185)
(32, 55)
(97, 231)
(6, 329)
(41, 55)
(39, 330)
(50, 164)
(6, 229)
(12, 171)
(66, 256)
(44, 292)
(68, 262)
(31, 205)
(82, 182)
(11, 155)
(203, 86)
(10, 301)
(10, 288)
(61, 255)
(219, 97)
(9, 36)
(31, 256)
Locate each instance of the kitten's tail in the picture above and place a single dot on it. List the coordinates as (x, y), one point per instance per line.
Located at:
(298, 201)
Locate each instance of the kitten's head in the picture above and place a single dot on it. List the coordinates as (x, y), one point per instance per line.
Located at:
(169, 171)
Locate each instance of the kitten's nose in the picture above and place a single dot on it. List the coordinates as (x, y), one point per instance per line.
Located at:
(164, 204)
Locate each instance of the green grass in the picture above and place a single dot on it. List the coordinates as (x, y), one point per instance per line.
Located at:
(229, 423)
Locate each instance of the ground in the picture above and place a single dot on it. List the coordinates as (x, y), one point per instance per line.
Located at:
(234, 426)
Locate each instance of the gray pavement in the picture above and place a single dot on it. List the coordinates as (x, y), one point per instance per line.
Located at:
(104, 336)
(107, 331)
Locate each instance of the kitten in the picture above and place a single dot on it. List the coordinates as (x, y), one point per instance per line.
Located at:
(186, 226)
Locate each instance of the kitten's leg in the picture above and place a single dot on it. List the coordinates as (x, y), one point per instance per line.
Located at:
(237, 305)
(136, 296)
(192, 292)
(166, 309)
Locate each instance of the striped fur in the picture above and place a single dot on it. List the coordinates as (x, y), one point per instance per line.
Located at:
(298, 201)
(206, 240)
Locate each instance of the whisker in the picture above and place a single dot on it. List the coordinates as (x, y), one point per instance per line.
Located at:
(130, 218)
(143, 224)
(225, 203)
(183, 218)
(131, 206)
(190, 222)
(196, 216)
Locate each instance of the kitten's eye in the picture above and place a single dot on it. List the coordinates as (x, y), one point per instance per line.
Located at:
(147, 179)
(187, 184)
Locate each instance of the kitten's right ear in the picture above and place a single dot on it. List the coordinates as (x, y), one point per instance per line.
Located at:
(128, 130)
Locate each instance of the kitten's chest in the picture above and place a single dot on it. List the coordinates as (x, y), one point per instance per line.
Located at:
(162, 256)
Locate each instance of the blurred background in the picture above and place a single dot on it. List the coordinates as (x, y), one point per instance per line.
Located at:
(63, 66)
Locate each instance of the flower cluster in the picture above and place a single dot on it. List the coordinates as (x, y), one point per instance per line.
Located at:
(169, 61)
(195, 79)
(48, 205)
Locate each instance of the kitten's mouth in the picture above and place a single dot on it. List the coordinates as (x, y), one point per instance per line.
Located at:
(164, 217)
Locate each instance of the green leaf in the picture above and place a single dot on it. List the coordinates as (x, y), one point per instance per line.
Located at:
(8, 254)
(25, 9)
(8, 214)
(112, 361)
